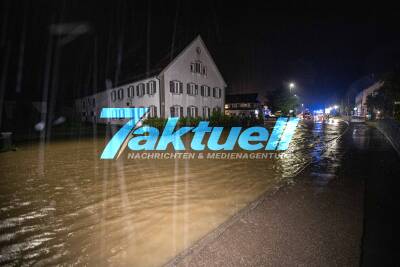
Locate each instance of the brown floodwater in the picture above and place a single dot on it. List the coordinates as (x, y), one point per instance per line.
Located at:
(61, 204)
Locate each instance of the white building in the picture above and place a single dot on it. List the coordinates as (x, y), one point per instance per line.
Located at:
(361, 99)
(189, 86)
(246, 105)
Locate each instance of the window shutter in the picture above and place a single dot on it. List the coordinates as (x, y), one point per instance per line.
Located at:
(148, 88)
(196, 112)
(155, 111)
(196, 89)
(188, 88)
(214, 92)
(154, 87)
(171, 86)
(181, 112)
(188, 112)
(202, 90)
(180, 87)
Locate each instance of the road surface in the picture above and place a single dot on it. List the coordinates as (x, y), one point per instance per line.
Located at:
(338, 213)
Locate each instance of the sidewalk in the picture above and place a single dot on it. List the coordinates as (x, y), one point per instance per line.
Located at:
(319, 220)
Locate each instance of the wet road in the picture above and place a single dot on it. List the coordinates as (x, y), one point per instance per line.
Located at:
(60, 204)
(319, 220)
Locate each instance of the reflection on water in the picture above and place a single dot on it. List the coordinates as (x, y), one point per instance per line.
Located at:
(60, 204)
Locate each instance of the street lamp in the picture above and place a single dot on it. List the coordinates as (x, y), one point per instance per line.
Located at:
(291, 86)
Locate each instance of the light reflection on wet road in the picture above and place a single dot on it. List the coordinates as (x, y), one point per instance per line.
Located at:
(77, 209)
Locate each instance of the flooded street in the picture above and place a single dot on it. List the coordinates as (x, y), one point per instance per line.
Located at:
(61, 204)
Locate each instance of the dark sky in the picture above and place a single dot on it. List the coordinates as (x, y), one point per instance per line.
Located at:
(258, 47)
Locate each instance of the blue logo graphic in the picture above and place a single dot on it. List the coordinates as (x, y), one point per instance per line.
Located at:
(149, 138)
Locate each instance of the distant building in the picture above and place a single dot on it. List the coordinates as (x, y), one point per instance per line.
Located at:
(188, 86)
(361, 99)
(243, 105)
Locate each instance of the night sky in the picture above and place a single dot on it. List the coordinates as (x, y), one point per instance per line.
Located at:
(258, 47)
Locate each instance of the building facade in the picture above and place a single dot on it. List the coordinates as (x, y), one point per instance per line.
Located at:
(361, 99)
(244, 105)
(189, 86)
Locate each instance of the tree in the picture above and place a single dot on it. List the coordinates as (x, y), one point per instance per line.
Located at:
(281, 99)
(384, 99)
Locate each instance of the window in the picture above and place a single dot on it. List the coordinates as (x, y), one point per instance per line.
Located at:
(216, 110)
(152, 112)
(131, 91)
(93, 102)
(113, 96)
(203, 70)
(198, 67)
(192, 89)
(217, 92)
(176, 111)
(206, 112)
(140, 90)
(83, 104)
(120, 93)
(151, 88)
(176, 87)
(192, 112)
(205, 90)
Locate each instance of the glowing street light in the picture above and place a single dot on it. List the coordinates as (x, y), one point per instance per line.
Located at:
(291, 86)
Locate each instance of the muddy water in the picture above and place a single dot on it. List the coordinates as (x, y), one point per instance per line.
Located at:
(61, 204)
